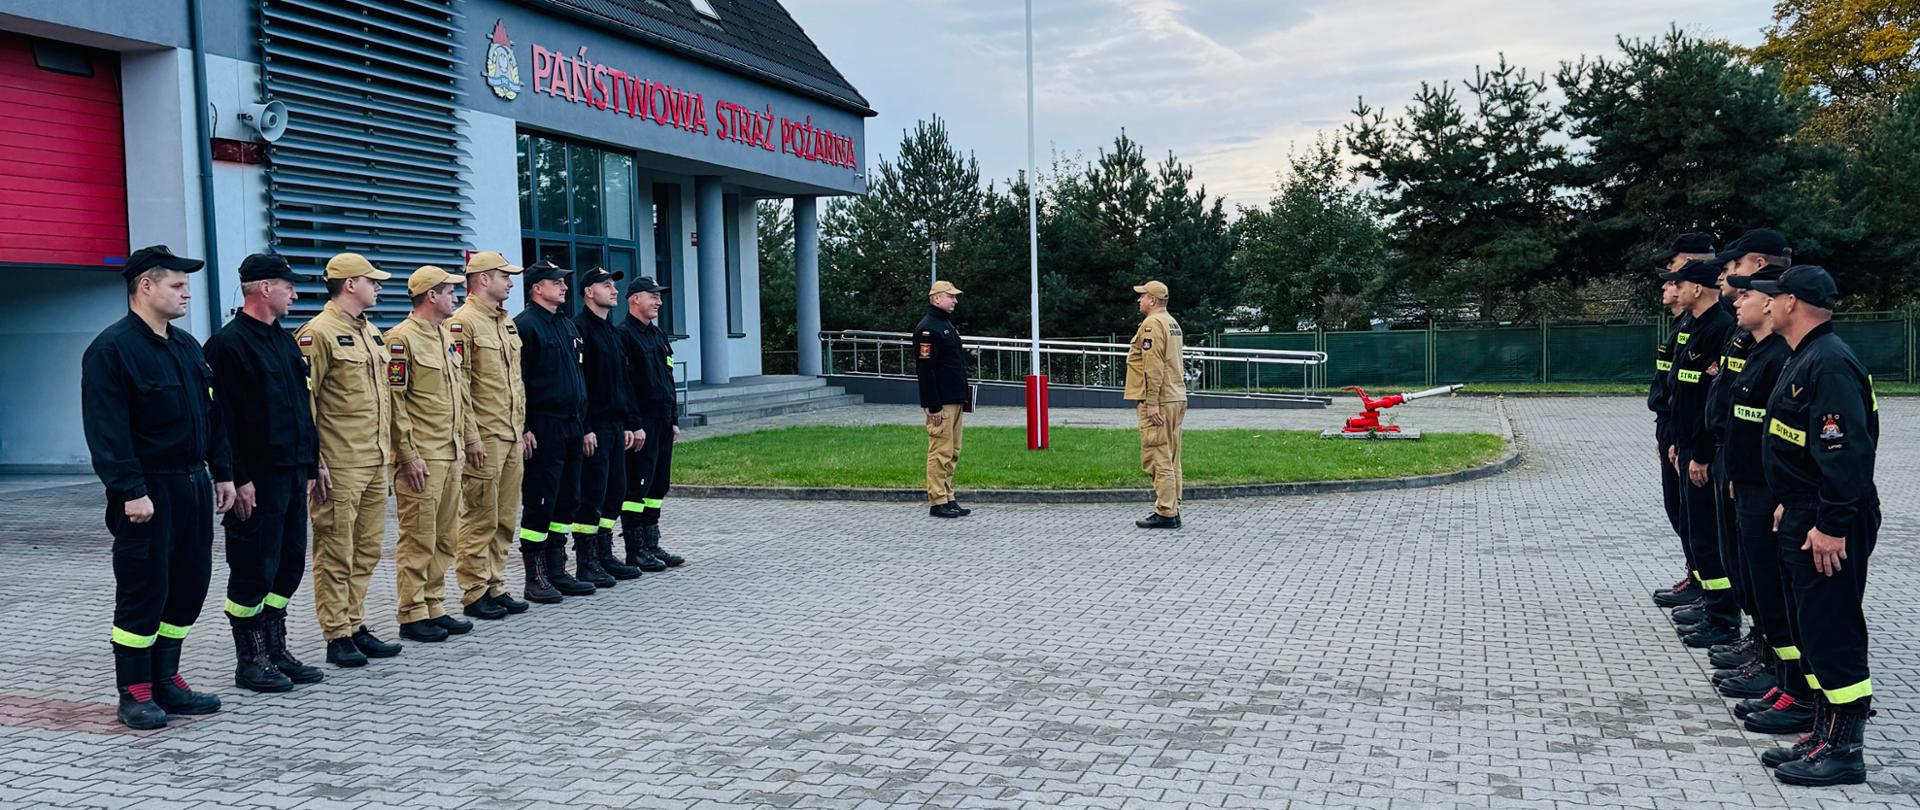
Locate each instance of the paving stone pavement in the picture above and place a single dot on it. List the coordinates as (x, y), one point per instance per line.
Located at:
(1487, 644)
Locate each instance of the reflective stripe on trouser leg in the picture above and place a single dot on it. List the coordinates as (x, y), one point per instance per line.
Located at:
(1849, 694)
(652, 503)
(240, 611)
(631, 506)
(1787, 653)
(606, 523)
(174, 631)
(532, 536)
(585, 528)
(126, 639)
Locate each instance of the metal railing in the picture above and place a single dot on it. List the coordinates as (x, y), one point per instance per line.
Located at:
(1078, 363)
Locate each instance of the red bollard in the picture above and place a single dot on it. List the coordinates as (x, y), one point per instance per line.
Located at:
(1037, 412)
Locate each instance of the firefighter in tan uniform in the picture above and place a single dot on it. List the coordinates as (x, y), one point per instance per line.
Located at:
(430, 415)
(346, 377)
(495, 445)
(1156, 379)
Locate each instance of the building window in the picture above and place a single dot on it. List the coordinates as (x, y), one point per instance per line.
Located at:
(666, 264)
(731, 243)
(705, 7)
(577, 207)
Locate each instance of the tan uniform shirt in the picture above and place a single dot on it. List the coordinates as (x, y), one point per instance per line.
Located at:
(344, 379)
(430, 410)
(1155, 373)
(489, 343)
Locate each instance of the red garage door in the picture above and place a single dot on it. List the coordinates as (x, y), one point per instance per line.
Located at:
(63, 175)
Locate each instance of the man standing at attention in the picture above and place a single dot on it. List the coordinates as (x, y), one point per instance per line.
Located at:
(1157, 380)
(941, 363)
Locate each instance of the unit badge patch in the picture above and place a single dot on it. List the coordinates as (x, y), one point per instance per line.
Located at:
(1830, 427)
(1146, 343)
(397, 372)
(926, 351)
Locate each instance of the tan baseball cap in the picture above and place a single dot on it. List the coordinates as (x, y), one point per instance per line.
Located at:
(354, 265)
(1153, 288)
(943, 287)
(491, 260)
(427, 278)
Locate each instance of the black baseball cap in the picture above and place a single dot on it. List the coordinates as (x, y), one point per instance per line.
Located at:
(1696, 271)
(264, 266)
(1808, 282)
(1764, 241)
(644, 284)
(155, 257)
(544, 270)
(599, 274)
(1685, 243)
(1771, 272)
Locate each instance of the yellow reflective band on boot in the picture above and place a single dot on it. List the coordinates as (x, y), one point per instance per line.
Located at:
(276, 601)
(606, 523)
(1663, 365)
(582, 528)
(174, 631)
(1689, 376)
(1787, 653)
(652, 503)
(532, 536)
(630, 506)
(1813, 680)
(126, 639)
(1750, 414)
(1797, 437)
(1849, 694)
(1721, 584)
(240, 611)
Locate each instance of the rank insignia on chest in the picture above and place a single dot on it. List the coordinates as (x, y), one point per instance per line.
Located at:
(344, 340)
(1830, 427)
(1793, 391)
(306, 340)
(926, 351)
(397, 372)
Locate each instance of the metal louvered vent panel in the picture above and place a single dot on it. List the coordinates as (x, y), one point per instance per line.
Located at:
(373, 157)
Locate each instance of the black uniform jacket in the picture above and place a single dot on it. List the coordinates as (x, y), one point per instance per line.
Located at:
(939, 361)
(146, 404)
(1696, 361)
(609, 397)
(1740, 450)
(260, 383)
(551, 351)
(1823, 423)
(649, 368)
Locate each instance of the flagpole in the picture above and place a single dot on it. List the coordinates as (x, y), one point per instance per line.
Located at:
(1036, 382)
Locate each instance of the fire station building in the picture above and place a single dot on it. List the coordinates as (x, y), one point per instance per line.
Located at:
(636, 135)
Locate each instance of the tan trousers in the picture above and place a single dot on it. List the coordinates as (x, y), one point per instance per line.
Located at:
(943, 449)
(489, 510)
(346, 547)
(428, 521)
(1160, 455)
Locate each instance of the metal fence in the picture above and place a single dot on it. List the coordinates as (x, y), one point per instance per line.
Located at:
(1617, 351)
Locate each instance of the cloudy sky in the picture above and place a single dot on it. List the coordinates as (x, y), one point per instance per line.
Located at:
(1228, 85)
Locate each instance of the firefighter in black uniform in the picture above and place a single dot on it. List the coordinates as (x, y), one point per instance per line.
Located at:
(940, 363)
(1747, 664)
(1788, 707)
(1696, 363)
(260, 383)
(550, 358)
(650, 466)
(1823, 423)
(603, 473)
(1687, 247)
(146, 399)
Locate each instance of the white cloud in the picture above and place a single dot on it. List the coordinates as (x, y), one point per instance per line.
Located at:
(1228, 85)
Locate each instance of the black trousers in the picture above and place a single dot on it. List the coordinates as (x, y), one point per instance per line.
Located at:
(603, 481)
(1827, 615)
(267, 552)
(1753, 506)
(1670, 498)
(650, 469)
(1732, 555)
(1703, 539)
(550, 490)
(161, 567)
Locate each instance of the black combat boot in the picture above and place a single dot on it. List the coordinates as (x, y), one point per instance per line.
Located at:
(485, 608)
(539, 588)
(372, 645)
(275, 620)
(609, 562)
(1688, 614)
(1747, 708)
(1822, 723)
(252, 669)
(634, 537)
(1786, 715)
(586, 560)
(1749, 684)
(170, 690)
(653, 547)
(1685, 592)
(557, 568)
(1158, 521)
(1840, 759)
(133, 680)
(514, 606)
(1711, 634)
(425, 631)
(342, 652)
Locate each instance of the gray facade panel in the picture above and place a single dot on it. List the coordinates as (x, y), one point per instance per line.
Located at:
(662, 146)
(130, 24)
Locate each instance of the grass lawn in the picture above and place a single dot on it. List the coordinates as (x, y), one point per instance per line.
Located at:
(894, 456)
